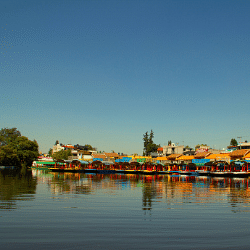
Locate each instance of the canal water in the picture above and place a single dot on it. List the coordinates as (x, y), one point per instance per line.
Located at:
(45, 210)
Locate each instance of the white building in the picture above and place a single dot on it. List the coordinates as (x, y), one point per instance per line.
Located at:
(57, 148)
(174, 149)
(244, 145)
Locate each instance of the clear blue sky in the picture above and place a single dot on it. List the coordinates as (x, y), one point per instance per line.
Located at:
(105, 72)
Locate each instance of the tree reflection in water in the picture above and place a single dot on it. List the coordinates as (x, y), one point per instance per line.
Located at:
(16, 185)
(148, 192)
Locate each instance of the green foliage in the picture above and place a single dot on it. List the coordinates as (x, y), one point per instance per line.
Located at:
(199, 145)
(149, 145)
(151, 136)
(62, 155)
(233, 142)
(7, 135)
(50, 152)
(16, 150)
(169, 143)
(57, 142)
(88, 147)
(145, 144)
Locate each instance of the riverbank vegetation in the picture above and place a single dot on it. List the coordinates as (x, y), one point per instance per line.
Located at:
(15, 149)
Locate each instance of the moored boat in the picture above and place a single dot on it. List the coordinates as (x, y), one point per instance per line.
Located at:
(205, 169)
(148, 169)
(220, 168)
(240, 168)
(188, 169)
(71, 166)
(173, 169)
(161, 169)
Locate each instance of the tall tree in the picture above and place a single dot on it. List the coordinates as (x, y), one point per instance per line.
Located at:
(149, 145)
(50, 152)
(151, 136)
(233, 142)
(145, 143)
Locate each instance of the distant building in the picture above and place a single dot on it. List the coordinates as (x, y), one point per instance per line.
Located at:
(79, 152)
(216, 151)
(202, 148)
(44, 158)
(160, 152)
(243, 145)
(57, 147)
(174, 149)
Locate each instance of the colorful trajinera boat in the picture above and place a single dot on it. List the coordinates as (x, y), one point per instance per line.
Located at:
(188, 169)
(220, 168)
(217, 168)
(240, 168)
(173, 169)
(205, 169)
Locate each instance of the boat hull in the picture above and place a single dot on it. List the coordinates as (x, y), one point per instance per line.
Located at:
(188, 173)
(240, 174)
(202, 172)
(105, 171)
(221, 174)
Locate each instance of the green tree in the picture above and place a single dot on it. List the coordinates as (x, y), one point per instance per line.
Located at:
(57, 142)
(145, 143)
(88, 147)
(62, 155)
(16, 150)
(27, 151)
(50, 152)
(233, 142)
(149, 145)
(8, 135)
(151, 136)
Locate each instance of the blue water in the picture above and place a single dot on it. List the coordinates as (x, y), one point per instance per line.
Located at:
(42, 210)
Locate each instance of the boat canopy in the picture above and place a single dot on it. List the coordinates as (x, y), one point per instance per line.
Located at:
(107, 162)
(84, 162)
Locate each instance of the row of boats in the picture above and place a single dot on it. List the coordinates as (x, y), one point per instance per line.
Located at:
(219, 168)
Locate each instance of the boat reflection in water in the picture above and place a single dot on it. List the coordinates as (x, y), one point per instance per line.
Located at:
(155, 188)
